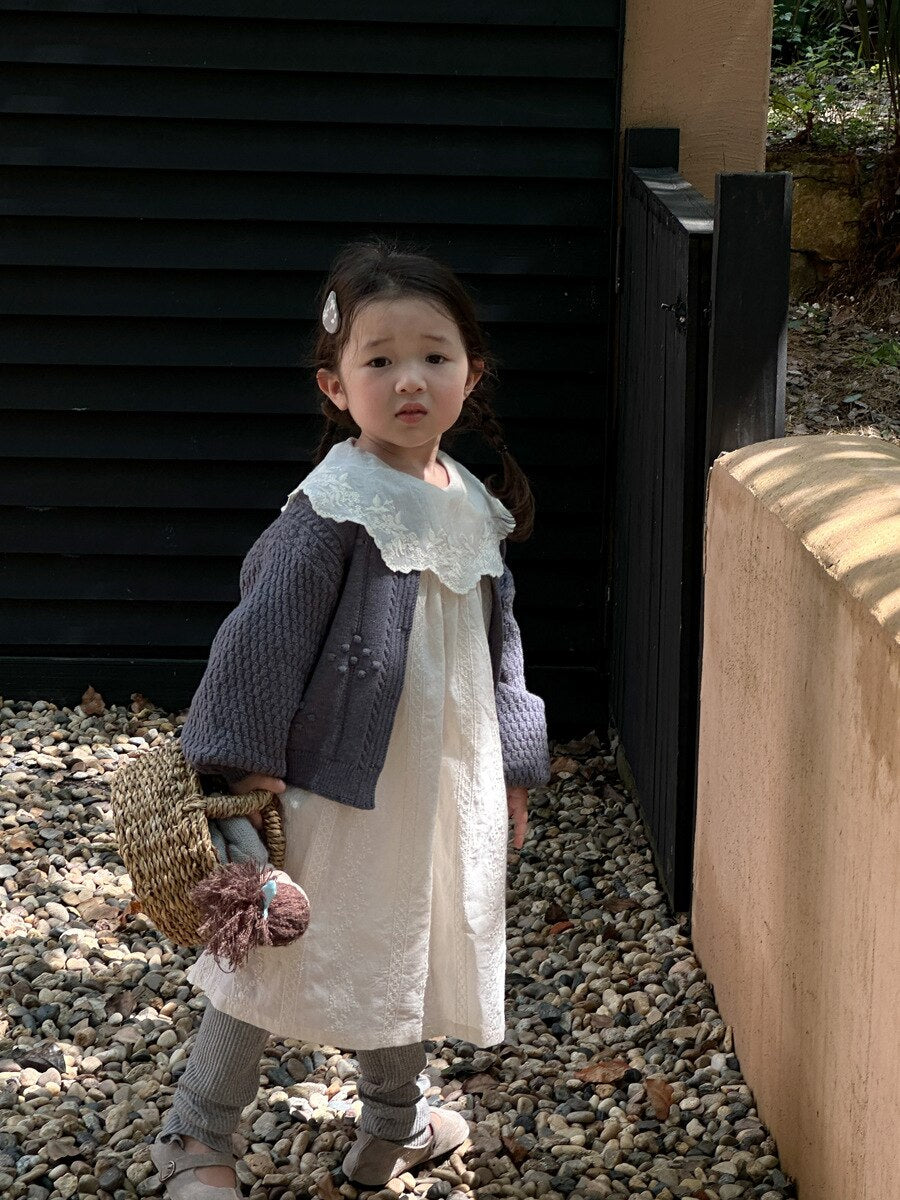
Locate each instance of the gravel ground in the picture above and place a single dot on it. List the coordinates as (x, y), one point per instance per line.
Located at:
(617, 1076)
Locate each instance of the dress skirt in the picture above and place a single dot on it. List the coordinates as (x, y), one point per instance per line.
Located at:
(407, 933)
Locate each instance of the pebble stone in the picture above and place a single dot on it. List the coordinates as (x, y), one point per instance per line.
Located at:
(97, 1018)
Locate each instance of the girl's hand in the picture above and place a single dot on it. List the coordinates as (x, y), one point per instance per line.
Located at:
(517, 806)
(250, 783)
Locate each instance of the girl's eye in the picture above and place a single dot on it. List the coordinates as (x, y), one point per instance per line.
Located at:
(381, 360)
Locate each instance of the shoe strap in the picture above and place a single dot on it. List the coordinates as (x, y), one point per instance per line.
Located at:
(190, 1162)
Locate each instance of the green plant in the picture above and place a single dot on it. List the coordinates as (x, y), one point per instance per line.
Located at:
(807, 30)
(884, 352)
(820, 94)
(878, 40)
(798, 25)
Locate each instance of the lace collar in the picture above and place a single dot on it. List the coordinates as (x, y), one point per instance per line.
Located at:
(454, 531)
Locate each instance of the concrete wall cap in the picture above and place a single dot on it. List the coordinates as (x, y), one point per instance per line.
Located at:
(840, 494)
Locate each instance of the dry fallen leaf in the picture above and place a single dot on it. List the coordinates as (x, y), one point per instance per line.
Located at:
(92, 703)
(19, 841)
(607, 1071)
(516, 1151)
(659, 1093)
(125, 913)
(601, 1021)
(123, 1002)
(559, 927)
(619, 904)
(97, 909)
(562, 763)
(128, 1034)
(555, 912)
(479, 1083)
(20, 989)
(326, 1188)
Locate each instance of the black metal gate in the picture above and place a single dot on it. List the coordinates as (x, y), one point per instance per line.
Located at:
(703, 319)
(173, 183)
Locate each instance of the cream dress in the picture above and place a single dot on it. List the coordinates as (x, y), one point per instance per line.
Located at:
(407, 935)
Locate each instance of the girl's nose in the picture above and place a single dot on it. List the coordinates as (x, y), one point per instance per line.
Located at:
(410, 381)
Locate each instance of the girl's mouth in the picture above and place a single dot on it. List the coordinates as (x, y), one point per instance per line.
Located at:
(410, 418)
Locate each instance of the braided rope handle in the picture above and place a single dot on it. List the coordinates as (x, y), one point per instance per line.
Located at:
(229, 804)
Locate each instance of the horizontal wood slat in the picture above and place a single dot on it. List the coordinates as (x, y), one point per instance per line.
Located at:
(292, 246)
(117, 341)
(288, 147)
(221, 295)
(212, 485)
(145, 40)
(95, 577)
(174, 532)
(152, 623)
(37, 388)
(228, 96)
(441, 12)
(127, 192)
(238, 439)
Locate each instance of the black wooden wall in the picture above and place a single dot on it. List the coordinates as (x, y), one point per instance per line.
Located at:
(173, 183)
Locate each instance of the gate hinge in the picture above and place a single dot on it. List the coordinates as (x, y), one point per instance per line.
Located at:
(678, 309)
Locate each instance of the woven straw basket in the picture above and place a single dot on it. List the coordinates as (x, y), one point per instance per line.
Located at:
(162, 827)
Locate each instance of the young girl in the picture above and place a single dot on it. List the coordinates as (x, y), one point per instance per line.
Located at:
(372, 675)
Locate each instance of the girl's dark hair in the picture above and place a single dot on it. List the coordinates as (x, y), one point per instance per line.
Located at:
(376, 270)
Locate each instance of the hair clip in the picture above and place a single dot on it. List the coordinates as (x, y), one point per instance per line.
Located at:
(331, 318)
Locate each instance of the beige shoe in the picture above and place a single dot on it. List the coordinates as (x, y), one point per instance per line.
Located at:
(374, 1161)
(176, 1170)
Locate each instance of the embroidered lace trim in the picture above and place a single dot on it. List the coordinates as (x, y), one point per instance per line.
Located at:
(454, 531)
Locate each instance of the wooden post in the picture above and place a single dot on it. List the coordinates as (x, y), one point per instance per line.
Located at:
(748, 310)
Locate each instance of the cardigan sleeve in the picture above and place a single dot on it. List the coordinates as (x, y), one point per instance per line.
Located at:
(260, 661)
(523, 723)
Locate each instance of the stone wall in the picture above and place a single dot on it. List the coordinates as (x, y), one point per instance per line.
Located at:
(830, 190)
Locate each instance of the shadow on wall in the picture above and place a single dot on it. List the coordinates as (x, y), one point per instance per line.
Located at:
(848, 518)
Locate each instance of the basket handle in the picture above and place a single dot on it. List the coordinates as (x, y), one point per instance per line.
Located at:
(228, 804)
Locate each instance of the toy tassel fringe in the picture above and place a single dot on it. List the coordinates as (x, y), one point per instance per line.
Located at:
(249, 904)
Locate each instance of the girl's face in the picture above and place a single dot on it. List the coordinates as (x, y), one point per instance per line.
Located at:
(401, 353)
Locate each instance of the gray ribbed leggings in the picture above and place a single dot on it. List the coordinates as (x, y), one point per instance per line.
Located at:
(222, 1077)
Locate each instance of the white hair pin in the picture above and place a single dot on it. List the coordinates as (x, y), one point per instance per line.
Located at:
(331, 318)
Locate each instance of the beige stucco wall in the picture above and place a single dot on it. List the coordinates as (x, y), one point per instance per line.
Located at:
(796, 910)
(704, 68)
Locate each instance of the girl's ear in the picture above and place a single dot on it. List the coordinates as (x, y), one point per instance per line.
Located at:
(476, 370)
(330, 383)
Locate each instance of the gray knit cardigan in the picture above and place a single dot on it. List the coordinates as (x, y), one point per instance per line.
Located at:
(304, 675)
